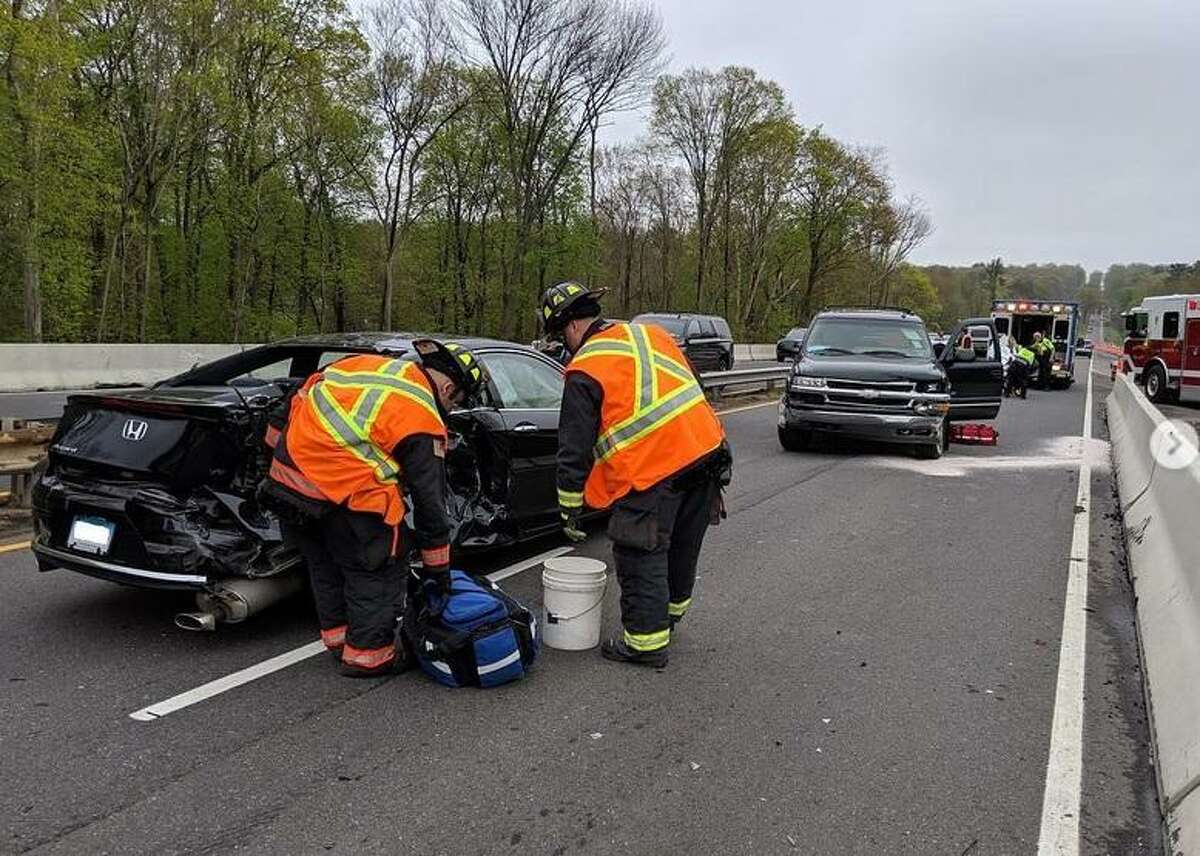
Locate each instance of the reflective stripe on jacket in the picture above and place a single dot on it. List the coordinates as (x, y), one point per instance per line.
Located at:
(654, 418)
(343, 427)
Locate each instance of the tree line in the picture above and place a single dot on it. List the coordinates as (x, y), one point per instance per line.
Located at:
(198, 170)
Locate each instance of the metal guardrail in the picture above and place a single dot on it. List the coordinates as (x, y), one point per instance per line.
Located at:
(766, 376)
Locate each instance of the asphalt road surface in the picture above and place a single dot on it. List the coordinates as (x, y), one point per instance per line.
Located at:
(870, 667)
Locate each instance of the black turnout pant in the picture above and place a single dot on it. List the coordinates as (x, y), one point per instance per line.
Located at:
(657, 535)
(1044, 370)
(357, 585)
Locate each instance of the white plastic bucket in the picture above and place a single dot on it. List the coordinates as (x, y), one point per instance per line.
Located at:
(572, 602)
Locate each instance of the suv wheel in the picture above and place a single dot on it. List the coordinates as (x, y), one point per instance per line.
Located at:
(1157, 389)
(933, 451)
(794, 440)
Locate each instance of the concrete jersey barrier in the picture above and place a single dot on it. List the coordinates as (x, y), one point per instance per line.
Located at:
(1159, 507)
(30, 368)
(33, 367)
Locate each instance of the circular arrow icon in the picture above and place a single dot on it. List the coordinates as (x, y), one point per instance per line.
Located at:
(1174, 444)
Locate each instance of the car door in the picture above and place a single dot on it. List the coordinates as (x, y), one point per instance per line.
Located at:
(528, 390)
(976, 375)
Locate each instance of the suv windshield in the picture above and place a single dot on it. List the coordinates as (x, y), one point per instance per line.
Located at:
(674, 326)
(868, 336)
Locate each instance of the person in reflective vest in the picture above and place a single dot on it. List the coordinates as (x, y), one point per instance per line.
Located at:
(1016, 377)
(1043, 349)
(359, 434)
(636, 435)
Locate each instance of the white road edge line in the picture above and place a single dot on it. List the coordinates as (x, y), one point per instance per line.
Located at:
(1059, 834)
(290, 658)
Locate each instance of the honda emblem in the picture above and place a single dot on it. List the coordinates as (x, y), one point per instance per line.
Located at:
(134, 430)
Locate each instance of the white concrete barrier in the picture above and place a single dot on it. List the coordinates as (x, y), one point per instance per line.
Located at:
(1160, 507)
(28, 368)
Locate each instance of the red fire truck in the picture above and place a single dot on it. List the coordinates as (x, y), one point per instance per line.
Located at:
(1162, 346)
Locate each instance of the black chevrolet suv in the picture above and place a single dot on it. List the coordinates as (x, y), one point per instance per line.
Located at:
(873, 374)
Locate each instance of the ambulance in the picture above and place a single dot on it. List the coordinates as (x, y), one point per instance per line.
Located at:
(1056, 319)
(1162, 346)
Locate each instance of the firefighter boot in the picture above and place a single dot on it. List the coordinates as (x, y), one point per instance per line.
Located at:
(617, 651)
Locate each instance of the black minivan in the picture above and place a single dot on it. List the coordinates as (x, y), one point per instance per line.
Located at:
(706, 339)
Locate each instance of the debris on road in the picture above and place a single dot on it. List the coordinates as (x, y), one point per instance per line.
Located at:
(694, 766)
(595, 735)
(974, 434)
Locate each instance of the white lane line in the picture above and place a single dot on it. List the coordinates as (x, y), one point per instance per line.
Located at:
(1064, 770)
(526, 564)
(289, 658)
(229, 682)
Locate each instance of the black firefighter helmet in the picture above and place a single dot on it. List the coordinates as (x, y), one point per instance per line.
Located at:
(566, 301)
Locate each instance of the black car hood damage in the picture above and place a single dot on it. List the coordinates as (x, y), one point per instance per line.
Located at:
(183, 494)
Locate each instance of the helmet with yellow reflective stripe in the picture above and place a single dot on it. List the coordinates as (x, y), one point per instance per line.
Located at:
(454, 361)
(566, 301)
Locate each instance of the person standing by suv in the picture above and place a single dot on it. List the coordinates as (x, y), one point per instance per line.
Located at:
(636, 434)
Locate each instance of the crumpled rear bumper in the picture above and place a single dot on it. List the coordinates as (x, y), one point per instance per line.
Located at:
(159, 540)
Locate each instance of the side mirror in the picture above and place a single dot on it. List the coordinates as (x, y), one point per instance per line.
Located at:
(938, 348)
(964, 355)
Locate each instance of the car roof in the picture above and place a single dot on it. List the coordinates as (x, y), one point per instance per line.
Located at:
(866, 312)
(382, 342)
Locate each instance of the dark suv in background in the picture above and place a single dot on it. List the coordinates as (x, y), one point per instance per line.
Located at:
(706, 339)
(873, 374)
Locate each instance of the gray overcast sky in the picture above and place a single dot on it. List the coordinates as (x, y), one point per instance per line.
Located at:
(1038, 130)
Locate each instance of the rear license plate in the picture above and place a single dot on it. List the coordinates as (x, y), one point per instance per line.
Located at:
(91, 535)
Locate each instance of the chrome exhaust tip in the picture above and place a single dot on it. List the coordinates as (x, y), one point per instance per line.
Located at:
(201, 621)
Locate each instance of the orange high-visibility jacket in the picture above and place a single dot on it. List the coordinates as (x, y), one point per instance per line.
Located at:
(343, 426)
(654, 420)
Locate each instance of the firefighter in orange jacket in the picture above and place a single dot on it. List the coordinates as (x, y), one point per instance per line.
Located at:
(636, 435)
(359, 433)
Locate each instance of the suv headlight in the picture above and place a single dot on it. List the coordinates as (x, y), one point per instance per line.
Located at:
(806, 382)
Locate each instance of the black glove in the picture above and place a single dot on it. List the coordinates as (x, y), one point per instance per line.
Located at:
(570, 525)
(435, 579)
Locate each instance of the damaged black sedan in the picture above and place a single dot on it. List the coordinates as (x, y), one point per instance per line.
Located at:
(156, 488)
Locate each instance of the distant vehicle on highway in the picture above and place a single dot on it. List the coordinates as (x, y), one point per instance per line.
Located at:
(1057, 320)
(1083, 348)
(705, 339)
(156, 487)
(788, 347)
(872, 374)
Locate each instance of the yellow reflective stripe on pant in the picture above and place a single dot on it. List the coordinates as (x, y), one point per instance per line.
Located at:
(349, 435)
(678, 610)
(570, 498)
(648, 641)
